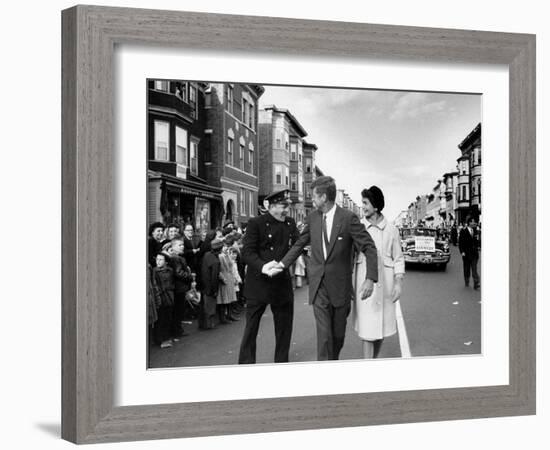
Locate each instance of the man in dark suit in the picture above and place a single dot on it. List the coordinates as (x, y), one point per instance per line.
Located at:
(267, 238)
(192, 248)
(469, 245)
(333, 233)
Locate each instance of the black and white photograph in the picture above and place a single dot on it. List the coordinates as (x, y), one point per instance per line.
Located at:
(299, 224)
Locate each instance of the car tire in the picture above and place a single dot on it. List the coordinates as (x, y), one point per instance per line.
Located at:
(443, 267)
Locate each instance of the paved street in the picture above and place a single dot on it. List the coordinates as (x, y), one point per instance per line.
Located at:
(440, 316)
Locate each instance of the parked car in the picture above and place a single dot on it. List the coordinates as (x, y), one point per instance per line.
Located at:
(422, 245)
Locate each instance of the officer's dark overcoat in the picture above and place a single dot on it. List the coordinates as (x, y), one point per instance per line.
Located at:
(267, 239)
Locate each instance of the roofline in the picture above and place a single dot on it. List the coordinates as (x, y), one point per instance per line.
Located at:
(471, 136)
(290, 116)
(308, 144)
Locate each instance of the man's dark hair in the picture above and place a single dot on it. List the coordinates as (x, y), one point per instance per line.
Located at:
(469, 219)
(154, 226)
(325, 185)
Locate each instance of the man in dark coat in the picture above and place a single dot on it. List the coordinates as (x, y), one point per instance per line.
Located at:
(268, 237)
(192, 248)
(469, 245)
(333, 233)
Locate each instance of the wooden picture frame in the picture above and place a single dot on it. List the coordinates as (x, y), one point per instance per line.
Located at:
(90, 34)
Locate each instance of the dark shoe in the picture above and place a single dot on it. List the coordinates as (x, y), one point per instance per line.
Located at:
(233, 318)
(476, 287)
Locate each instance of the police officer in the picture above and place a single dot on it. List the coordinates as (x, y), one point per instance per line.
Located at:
(268, 237)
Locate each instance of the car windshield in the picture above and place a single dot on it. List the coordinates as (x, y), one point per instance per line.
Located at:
(424, 232)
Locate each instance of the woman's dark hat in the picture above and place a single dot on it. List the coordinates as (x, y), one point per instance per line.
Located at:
(375, 196)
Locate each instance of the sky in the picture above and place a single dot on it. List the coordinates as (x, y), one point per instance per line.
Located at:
(400, 141)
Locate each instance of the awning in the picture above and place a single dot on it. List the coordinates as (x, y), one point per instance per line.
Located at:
(187, 187)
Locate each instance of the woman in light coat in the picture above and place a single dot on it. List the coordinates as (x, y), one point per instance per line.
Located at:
(374, 317)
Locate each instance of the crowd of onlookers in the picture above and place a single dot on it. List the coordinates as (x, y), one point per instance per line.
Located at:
(196, 276)
(192, 276)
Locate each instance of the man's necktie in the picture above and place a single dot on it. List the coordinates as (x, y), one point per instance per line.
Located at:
(325, 234)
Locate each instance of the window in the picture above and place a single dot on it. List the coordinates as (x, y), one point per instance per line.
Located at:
(479, 155)
(300, 182)
(181, 146)
(230, 151)
(250, 203)
(242, 208)
(251, 116)
(278, 138)
(241, 156)
(293, 151)
(162, 140)
(192, 95)
(229, 98)
(194, 156)
(293, 182)
(463, 193)
(251, 160)
(278, 174)
(181, 91)
(244, 112)
(162, 85)
(308, 165)
(286, 176)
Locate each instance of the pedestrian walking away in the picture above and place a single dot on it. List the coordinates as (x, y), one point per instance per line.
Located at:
(469, 245)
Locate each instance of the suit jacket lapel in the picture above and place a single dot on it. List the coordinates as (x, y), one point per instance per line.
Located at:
(336, 225)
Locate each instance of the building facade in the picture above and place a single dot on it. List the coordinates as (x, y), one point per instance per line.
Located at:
(309, 165)
(469, 176)
(450, 182)
(282, 157)
(233, 137)
(178, 190)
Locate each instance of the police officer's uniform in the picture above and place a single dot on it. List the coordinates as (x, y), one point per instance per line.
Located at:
(267, 239)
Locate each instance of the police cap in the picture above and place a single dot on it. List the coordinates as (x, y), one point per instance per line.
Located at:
(279, 197)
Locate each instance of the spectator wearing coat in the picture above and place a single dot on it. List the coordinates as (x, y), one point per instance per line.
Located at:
(183, 279)
(164, 282)
(154, 242)
(469, 244)
(210, 276)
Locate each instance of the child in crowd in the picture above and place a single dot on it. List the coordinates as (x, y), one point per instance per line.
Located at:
(226, 293)
(233, 255)
(164, 280)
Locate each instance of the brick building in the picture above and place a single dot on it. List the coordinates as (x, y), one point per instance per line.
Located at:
(178, 189)
(232, 133)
